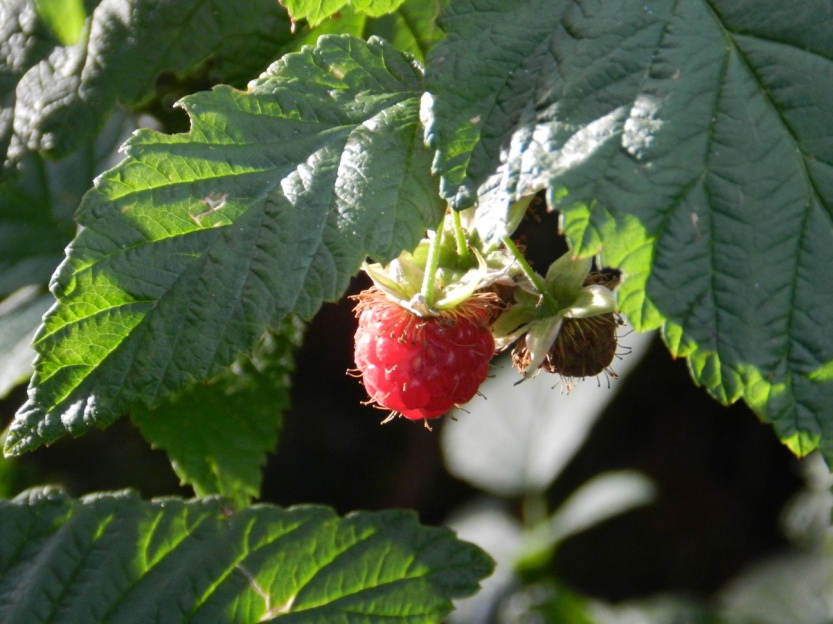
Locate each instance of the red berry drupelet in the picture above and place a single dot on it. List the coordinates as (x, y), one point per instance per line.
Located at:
(421, 367)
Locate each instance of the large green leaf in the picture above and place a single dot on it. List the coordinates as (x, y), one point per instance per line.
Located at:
(199, 242)
(115, 558)
(53, 96)
(696, 136)
(217, 433)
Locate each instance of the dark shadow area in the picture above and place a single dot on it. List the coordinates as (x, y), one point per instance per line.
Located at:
(722, 478)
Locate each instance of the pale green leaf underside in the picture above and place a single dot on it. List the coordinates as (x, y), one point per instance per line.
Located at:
(115, 558)
(53, 96)
(198, 242)
(217, 433)
(695, 140)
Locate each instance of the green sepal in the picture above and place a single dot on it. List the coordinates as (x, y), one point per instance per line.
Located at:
(457, 277)
(400, 279)
(565, 278)
(457, 288)
(512, 323)
(540, 337)
(591, 301)
(564, 284)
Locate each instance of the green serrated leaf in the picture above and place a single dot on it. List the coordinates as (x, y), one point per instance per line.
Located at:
(217, 434)
(199, 242)
(692, 140)
(53, 96)
(375, 8)
(115, 558)
(316, 11)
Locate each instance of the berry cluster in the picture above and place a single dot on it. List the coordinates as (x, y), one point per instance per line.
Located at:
(431, 323)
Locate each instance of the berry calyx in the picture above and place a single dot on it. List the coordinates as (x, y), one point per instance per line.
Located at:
(574, 334)
(584, 347)
(420, 367)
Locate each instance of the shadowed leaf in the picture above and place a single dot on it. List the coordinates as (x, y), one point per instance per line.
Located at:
(688, 143)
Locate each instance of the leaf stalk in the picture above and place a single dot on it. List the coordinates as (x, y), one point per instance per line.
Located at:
(428, 289)
(460, 238)
(531, 275)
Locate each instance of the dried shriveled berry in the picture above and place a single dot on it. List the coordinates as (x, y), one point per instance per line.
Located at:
(585, 347)
(421, 367)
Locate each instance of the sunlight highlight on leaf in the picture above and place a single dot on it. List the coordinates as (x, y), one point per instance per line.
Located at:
(199, 242)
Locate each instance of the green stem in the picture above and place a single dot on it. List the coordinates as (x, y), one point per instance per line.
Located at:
(460, 238)
(531, 275)
(429, 279)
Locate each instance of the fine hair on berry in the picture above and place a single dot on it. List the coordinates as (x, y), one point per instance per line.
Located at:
(421, 367)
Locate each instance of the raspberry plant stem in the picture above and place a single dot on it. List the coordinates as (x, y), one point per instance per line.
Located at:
(531, 275)
(429, 278)
(460, 238)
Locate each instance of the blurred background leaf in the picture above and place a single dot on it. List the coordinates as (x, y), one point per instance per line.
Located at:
(55, 96)
(64, 17)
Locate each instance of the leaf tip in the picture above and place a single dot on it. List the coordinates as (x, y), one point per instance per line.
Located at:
(12, 443)
(23, 435)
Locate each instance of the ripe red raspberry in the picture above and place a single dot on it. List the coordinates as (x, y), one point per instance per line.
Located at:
(421, 367)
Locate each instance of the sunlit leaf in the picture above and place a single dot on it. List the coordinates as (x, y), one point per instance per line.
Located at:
(199, 242)
(115, 558)
(412, 28)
